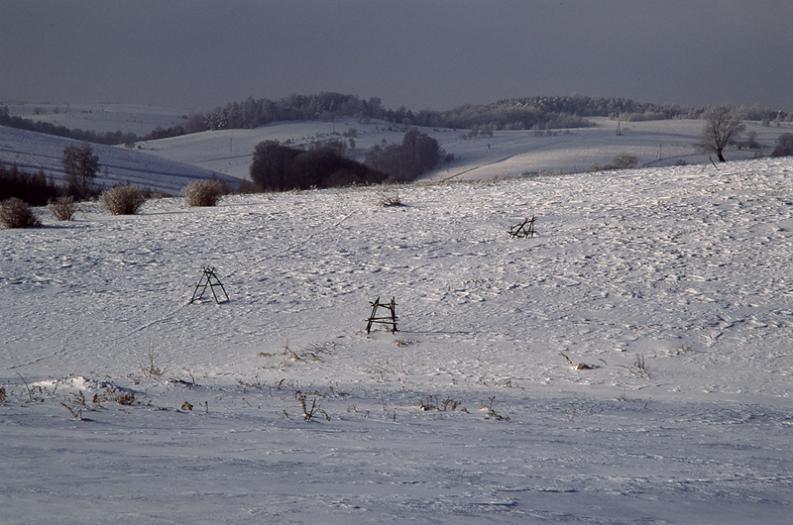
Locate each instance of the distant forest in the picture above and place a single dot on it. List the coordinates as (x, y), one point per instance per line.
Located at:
(531, 113)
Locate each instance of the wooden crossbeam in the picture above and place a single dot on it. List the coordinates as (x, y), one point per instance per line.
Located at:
(524, 229)
(390, 319)
(209, 278)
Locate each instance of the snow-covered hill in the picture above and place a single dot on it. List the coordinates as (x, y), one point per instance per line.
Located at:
(33, 151)
(100, 118)
(505, 154)
(670, 288)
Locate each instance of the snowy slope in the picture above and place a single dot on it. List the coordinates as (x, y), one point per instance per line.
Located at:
(505, 154)
(100, 118)
(673, 284)
(34, 151)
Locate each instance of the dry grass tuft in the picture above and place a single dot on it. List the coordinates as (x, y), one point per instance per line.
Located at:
(151, 369)
(390, 201)
(490, 413)
(443, 405)
(579, 365)
(310, 412)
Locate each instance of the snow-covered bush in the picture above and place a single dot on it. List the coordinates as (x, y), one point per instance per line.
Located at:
(204, 192)
(122, 200)
(62, 208)
(15, 213)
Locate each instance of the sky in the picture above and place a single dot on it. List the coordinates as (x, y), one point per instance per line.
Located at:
(424, 54)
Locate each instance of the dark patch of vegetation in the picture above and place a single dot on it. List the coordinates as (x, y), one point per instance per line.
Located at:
(34, 188)
(277, 167)
(405, 162)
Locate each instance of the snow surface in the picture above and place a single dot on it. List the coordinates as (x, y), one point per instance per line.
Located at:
(672, 284)
(101, 118)
(117, 165)
(506, 154)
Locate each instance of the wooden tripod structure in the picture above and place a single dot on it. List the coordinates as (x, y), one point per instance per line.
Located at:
(389, 319)
(524, 229)
(209, 278)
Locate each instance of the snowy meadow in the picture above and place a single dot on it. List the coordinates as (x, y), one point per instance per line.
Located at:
(630, 363)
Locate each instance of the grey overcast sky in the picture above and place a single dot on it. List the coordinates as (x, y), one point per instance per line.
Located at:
(197, 54)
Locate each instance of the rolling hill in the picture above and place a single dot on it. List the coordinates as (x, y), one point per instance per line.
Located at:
(628, 364)
(117, 164)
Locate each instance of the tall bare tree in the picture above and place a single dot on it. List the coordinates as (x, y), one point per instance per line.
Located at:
(722, 128)
(80, 165)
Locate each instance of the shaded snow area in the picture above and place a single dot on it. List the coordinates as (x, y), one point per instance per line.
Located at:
(117, 165)
(631, 363)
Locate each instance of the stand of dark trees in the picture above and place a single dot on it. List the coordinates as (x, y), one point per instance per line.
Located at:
(404, 162)
(34, 188)
(277, 167)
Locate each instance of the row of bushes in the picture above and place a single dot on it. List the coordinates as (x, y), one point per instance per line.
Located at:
(119, 200)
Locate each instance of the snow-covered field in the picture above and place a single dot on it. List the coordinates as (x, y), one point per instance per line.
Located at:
(505, 154)
(672, 284)
(101, 118)
(117, 165)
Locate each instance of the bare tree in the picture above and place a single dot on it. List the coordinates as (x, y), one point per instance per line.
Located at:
(723, 127)
(80, 165)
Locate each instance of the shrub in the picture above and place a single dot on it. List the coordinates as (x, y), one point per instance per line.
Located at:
(784, 145)
(122, 200)
(15, 213)
(204, 192)
(62, 208)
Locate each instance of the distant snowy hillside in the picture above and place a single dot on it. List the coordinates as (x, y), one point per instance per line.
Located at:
(101, 118)
(629, 364)
(117, 164)
(505, 154)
